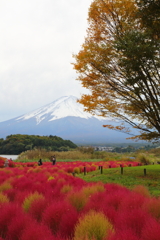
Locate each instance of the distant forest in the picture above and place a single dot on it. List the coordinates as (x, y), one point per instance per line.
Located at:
(15, 144)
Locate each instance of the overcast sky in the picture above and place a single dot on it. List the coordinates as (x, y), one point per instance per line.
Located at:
(37, 40)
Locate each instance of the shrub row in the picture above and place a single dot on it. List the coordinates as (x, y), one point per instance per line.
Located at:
(48, 203)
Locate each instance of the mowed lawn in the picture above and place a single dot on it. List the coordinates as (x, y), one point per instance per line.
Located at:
(147, 175)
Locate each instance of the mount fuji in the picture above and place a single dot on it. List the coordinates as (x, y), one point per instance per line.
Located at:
(65, 118)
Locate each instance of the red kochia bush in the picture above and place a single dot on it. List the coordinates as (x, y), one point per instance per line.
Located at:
(7, 212)
(132, 200)
(133, 219)
(68, 222)
(114, 196)
(37, 231)
(126, 234)
(18, 223)
(1, 164)
(2, 161)
(11, 163)
(153, 207)
(10, 194)
(151, 230)
(133, 214)
(20, 196)
(37, 208)
(108, 202)
(54, 213)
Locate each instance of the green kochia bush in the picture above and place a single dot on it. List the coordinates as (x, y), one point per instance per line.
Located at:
(30, 199)
(94, 225)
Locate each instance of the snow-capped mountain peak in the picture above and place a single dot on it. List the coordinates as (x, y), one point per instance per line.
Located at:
(67, 119)
(63, 107)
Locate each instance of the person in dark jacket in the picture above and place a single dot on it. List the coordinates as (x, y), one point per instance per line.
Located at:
(40, 162)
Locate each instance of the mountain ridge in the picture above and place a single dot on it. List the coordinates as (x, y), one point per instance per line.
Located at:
(65, 118)
(60, 108)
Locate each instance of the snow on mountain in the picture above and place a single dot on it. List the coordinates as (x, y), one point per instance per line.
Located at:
(67, 119)
(60, 108)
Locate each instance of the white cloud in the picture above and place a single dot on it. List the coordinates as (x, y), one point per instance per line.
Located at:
(38, 38)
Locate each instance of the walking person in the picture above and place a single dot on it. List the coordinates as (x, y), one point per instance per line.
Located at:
(6, 164)
(40, 162)
(53, 159)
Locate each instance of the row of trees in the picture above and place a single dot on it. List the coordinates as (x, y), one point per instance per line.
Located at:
(130, 148)
(15, 144)
(119, 63)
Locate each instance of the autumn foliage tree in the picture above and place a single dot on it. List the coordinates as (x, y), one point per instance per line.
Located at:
(119, 63)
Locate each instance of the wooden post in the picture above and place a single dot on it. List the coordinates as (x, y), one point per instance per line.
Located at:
(101, 169)
(122, 170)
(145, 173)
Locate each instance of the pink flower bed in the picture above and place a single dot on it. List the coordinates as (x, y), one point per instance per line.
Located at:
(76, 166)
(48, 203)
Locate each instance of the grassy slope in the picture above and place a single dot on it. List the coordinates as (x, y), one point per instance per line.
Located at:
(131, 177)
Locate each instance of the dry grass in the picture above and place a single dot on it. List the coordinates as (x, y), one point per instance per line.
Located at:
(69, 155)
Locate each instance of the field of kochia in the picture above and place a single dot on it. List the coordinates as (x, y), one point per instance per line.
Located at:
(48, 203)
